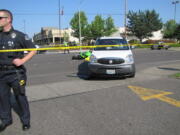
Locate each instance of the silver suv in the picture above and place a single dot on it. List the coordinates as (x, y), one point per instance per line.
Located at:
(111, 60)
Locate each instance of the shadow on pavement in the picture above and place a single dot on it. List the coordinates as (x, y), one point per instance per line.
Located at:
(166, 68)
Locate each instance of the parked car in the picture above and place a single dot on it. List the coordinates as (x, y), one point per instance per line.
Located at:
(38, 51)
(111, 61)
(160, 46)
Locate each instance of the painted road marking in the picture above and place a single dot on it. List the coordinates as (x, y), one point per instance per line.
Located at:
(147, 94)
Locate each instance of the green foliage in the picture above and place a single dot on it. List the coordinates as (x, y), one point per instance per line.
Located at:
(88, 33)
(169, 29)
(102, 27)
(109, 26)
(134, 41)
(142, 24)
(175, 45)
(177, 32)
(75, 24)
(177, 75)
(99, 27)
(148, 46)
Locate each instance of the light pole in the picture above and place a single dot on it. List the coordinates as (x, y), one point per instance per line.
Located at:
(79, 28)
(24, 22)
(59, 13)
(125, 18)
(80, 43)
(175, 2)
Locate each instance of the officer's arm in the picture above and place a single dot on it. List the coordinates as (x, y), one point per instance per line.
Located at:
(19, 62)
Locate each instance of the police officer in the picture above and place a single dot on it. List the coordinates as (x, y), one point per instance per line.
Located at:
(66, 45)
(12, 71)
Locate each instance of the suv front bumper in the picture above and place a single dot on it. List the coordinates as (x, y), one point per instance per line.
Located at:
(119, 69)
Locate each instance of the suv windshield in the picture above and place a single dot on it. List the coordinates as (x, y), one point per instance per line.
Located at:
(121, 42)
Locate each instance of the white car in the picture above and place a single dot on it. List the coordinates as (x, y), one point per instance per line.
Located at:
(38, 51)
(37, 46)
(111, 61)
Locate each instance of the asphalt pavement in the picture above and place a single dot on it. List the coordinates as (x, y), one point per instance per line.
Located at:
(54, 90)
(99, 107)
(105, 109)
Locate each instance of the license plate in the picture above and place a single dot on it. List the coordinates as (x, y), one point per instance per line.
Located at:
(110, 72)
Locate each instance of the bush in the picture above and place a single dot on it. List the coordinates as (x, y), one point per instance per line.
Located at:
(157, 41)
(175, 45)
(134, 41)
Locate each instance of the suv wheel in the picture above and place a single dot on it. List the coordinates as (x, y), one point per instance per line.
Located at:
(132, 75)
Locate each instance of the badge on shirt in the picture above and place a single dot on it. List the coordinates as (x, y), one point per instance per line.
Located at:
(13, 35)
(10, 43)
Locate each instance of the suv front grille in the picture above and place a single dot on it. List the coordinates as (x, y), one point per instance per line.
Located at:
(110, 61)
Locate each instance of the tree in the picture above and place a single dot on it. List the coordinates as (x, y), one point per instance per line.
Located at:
(97, 27)
(88, 34)
(109, 26)
(169, 29)
(177, 32)
(102, 27)
(75, 24)
(142, 24)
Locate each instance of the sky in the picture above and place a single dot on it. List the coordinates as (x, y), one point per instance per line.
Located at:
(31, 15)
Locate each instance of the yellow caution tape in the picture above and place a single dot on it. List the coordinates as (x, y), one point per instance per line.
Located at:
(60, 47)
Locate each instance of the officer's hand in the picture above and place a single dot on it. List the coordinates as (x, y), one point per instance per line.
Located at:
(18, 62)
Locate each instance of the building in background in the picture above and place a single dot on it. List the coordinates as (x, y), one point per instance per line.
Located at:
(50, 35)
(157, 35)
(53, 36)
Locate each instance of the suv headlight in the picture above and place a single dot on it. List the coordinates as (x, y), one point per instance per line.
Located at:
(129, 59)
(93, 59)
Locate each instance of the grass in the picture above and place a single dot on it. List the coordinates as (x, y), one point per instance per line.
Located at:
(177, 75)
(149, 45)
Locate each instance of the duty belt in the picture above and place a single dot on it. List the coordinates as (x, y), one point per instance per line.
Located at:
(6, 67)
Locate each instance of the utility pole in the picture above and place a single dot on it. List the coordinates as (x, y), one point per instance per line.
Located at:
(175, 2)
(59, 13)
(79, 28)
(80, 43)
(24, 27)
(125, 18)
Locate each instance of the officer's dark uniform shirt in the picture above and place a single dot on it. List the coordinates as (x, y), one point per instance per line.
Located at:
(12, 76)
(13, 40)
